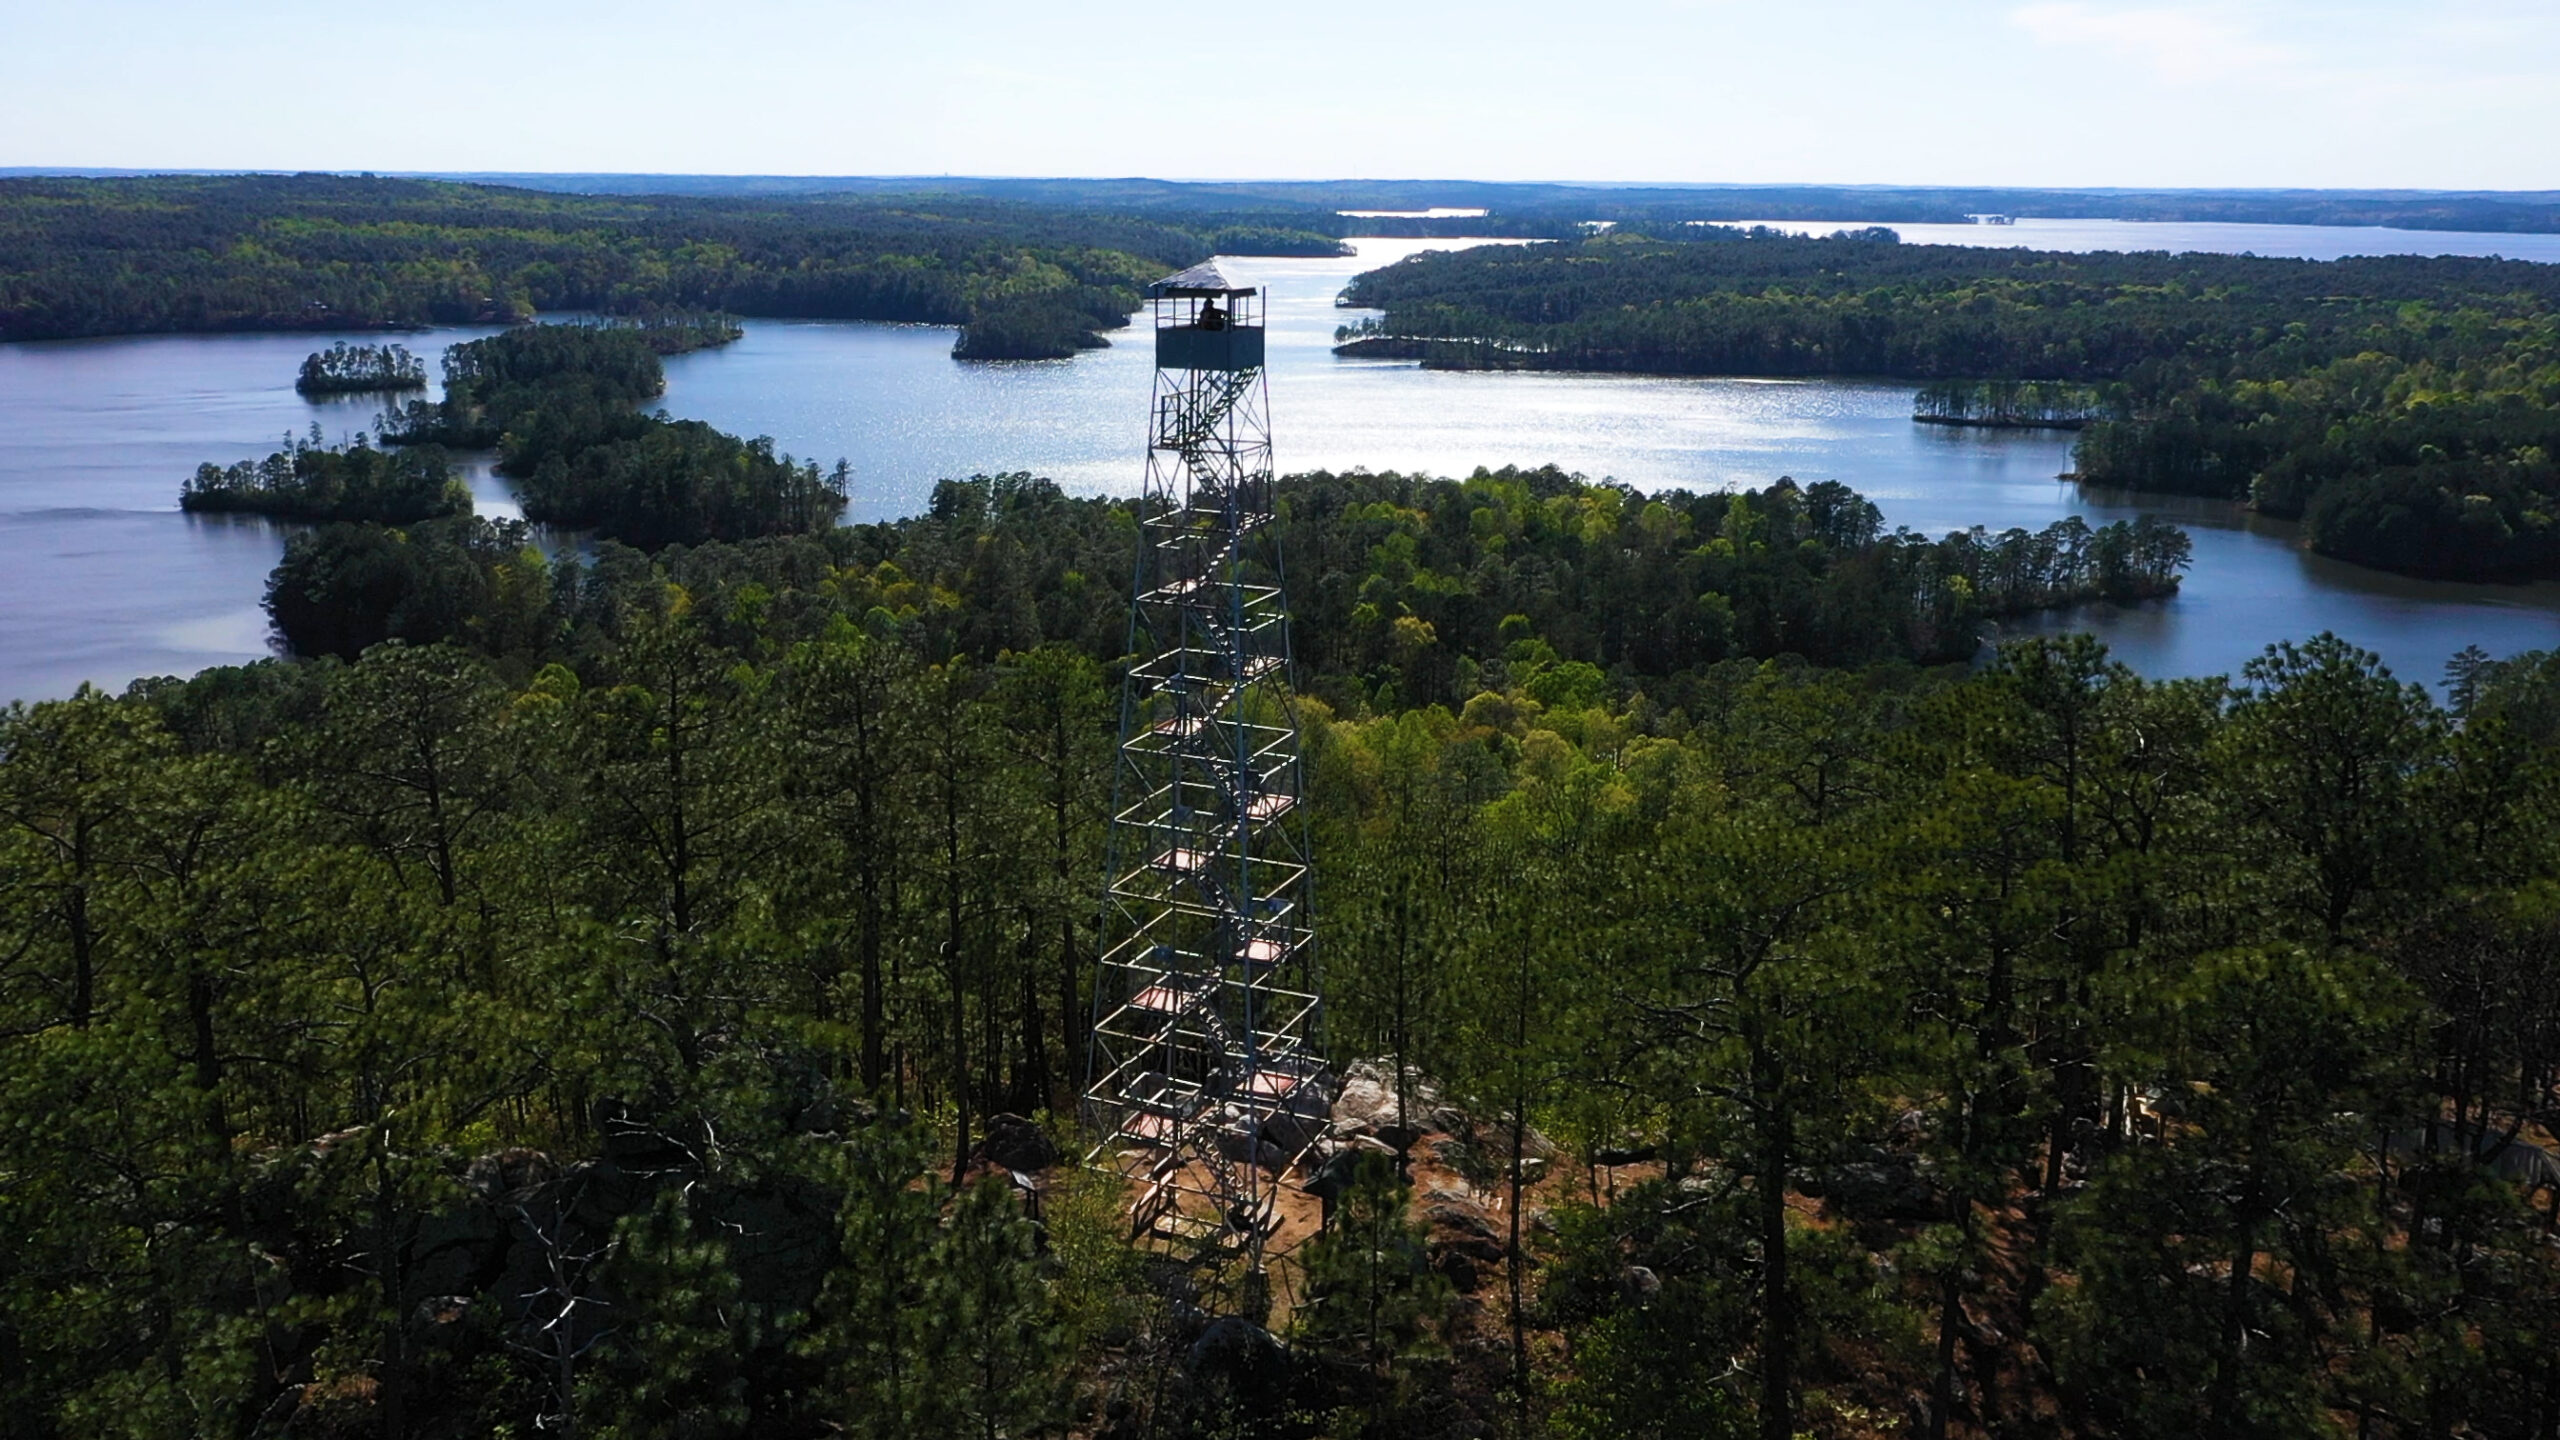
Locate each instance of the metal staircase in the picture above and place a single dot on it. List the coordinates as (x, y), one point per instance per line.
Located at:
(1206, 1081)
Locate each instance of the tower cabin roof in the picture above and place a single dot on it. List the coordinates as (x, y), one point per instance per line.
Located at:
(1200, 279)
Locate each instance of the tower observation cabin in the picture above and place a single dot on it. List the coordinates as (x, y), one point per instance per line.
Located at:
(1205, 1082)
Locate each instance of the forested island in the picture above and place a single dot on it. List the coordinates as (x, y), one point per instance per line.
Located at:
(345, 369)
(309, 479)
(1036, 327)
(334, 252)
(556, 1023)
(2008, 404)
(2404, 409)
(561, 405)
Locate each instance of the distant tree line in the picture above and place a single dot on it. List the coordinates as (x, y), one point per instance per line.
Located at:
(278, 252)
(345, 369)
(1715, 300)
(1558, 209)
(2404, 409)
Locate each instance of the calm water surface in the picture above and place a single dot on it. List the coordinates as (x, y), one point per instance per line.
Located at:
(102, 579)
(2292, 242)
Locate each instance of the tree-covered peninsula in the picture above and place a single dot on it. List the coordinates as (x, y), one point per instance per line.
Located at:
(2405, 409)
(322, 252)
(1411, 588)
(561, 1024)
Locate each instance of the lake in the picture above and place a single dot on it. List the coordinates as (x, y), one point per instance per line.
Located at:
(106, 580)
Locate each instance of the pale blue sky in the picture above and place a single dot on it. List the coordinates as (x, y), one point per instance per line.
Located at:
(2451, 94)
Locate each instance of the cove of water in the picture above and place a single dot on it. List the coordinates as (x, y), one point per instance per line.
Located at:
(102, 579)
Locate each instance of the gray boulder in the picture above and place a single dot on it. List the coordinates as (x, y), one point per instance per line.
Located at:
(1888, 1187)
(1364, 1105)
(1018, 1144)
(1460, 1224)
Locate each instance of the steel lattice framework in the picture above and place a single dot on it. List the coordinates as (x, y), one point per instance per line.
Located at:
(1204, 1077)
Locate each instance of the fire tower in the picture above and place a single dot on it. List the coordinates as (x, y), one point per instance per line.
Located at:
(1204, 1078)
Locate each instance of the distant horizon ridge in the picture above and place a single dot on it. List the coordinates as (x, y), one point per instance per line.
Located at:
(992, 177)
(1516, 208)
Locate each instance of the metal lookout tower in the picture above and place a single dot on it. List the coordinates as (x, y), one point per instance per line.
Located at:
(1204, 1078)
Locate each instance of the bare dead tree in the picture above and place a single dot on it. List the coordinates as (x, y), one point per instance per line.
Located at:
(559, 1327)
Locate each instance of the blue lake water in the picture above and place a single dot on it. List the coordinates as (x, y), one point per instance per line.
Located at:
(102, 579)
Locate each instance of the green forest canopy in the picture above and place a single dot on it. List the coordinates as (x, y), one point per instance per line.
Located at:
(1409, 588)
(482, 1035)
(555, 1021)
(267, 252)
(1555, 208)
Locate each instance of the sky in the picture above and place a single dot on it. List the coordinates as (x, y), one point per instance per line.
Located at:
(2425, 94)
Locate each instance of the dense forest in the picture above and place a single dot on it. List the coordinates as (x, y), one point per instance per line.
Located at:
(2405, 409)
(1410, 589)
(553, 998)
(557, 1022)
(267, 252)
